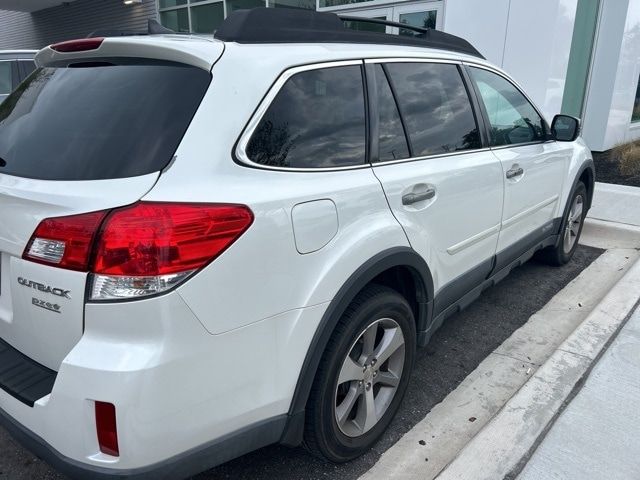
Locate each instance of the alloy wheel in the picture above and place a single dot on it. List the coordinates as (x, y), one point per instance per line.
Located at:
(369, 377)
(573, 224)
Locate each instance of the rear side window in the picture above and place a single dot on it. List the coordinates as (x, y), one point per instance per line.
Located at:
(98, 121)
(5, 77)
(392, 143)
(513, 119)
(435, 106)
(316, 120)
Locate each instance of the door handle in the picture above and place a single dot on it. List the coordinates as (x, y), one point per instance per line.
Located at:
(514, 172)
(411, 198)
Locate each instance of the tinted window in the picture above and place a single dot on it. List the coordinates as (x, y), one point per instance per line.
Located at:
(435, 106)
(5, 78)
(513, 119)
(392, 142)
(315, 120)
(98, 122)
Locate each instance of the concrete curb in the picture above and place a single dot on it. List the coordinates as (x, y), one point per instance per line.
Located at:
(606, 234)
(502, 447)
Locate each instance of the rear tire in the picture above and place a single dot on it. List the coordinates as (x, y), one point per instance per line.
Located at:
(570, 230)
(363, 375)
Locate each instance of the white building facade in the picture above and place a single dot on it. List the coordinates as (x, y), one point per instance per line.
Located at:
(578, 57)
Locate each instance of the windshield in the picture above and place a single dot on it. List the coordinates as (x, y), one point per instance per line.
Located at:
(98, 121)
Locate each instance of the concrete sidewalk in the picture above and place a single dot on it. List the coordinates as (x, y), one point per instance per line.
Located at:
(598, 434)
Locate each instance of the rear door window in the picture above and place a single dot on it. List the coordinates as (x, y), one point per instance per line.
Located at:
(435, 106)
(317, 120)
(392, 143)
(98, 121)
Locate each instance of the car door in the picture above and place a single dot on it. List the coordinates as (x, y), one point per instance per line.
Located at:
(533, 166)
(444, 188)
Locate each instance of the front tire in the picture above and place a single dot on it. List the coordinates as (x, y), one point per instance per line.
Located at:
(570, 230)
(363, 375)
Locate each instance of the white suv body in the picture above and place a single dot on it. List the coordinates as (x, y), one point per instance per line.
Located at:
(224, 361)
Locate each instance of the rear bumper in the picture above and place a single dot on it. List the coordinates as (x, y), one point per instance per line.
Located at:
(180, 466)
(215, 396)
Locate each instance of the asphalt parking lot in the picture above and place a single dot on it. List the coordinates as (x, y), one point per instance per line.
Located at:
(454, 352)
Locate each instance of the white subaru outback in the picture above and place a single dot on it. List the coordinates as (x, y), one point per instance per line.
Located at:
(209, 245)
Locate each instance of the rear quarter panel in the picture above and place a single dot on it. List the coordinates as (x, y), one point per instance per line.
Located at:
(262, 274)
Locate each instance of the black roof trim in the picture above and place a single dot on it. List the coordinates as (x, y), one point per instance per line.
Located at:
(292, 25)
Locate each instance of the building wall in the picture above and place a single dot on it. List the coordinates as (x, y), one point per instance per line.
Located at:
(75, 20)
(530, 40)
(614, 78)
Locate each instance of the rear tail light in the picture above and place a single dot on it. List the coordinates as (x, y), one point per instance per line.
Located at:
(140, 250)
(65, 241)
(106, 428)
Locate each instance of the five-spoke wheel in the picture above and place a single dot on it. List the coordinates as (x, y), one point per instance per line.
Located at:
(362, 376)
(573, 223)
(369, 377)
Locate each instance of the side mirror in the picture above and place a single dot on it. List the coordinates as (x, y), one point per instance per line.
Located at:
(565, 128)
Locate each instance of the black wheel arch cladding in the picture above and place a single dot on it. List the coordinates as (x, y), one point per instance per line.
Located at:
(383, 261)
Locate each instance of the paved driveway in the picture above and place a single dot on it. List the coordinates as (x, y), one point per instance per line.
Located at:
(454, 352)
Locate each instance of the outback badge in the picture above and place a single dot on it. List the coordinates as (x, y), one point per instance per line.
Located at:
(41, 287)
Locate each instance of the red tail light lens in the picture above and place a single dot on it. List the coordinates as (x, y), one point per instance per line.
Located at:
(165, 238)
(142, 249)
(65, 241)
(80, 45)
(107, 429)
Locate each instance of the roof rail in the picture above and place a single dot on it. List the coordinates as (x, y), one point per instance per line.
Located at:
(292, 25)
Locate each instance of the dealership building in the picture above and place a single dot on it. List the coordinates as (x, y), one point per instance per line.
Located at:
(579, 57)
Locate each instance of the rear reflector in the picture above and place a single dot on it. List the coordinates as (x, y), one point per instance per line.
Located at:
(106, 429)
(80, 45)
(139, 250)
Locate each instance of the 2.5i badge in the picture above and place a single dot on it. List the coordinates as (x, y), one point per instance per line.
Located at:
(59, 292)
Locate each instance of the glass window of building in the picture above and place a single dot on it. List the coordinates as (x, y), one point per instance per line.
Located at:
(5, 78)
(424, 19)
(635, 116)
(205, 16)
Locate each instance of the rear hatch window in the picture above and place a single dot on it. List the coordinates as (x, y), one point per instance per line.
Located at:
(96, 121)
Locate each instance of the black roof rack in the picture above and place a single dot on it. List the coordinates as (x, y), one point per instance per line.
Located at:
(291, 25)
